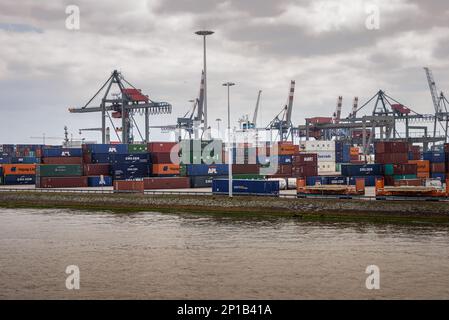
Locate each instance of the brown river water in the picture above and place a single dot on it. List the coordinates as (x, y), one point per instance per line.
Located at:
(185, 256)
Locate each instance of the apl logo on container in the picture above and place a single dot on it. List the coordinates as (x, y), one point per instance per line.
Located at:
(112, 150)
(212, 171)
(65, 154)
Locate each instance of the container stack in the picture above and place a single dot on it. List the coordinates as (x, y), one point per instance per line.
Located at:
(387, 152)
(414, 153)
(437, 162)
(18, 174)
(304, 165)
(368, 171)
(326, 152)
(60, 176)
(342, 152)
(422, 168)
(285, 152)
(19, 162)
(394, 173)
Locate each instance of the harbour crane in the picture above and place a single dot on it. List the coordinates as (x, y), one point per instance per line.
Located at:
(337, 114)
(253, 125)
(124, 105)
(440, 104)
(283, 120)
(193, 119)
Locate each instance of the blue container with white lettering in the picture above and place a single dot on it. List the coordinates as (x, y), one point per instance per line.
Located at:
(439, 176)
(434, 157)
(96, 181)
(130, 171)
(207, 170)
(355, 170)
(62, 152)
(100, 158)
(246, 187)
(285, 159)
(12, 179)
(312, 181)
(107, 148)
(25, 160)
(117, 158)
(5, 160)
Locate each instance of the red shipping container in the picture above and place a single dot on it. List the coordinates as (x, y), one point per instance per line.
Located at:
(388, 158)
(305, 171)
(391, 147)
(63, 160)
(163, 147)
(166, 183)
(62, 182)
(87, 157)
(403, 169)
(438, 167)
(285, 169)
(305, 159)
(245, 169)
(129, 186)
(97, 169)
(161, 158)
(408, 183)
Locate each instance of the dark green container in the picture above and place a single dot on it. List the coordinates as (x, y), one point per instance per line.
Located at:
(56, 170)
(137, 148)
(405, 176)
(388, 169)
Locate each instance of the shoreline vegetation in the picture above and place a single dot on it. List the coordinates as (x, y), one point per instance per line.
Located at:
(303, 209)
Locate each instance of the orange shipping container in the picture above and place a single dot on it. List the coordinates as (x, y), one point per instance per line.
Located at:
(165, 169)
(422, 165)
(354, 151)
(19, 169)
(423, 175)
(135, 186)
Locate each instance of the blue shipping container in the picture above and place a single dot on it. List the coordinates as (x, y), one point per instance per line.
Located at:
(434, 157)
(352, 170)
(312, 181)
(336, 180)
(370, 181)
(130, 158)
(246, 187)
(94, 181)
(130, 171)
(108, 148)
(25, 160)
(207, 170)
(100, 158)
(5, 160)
(440, 176)
(18, 179)
(285, 159)
(62, 152)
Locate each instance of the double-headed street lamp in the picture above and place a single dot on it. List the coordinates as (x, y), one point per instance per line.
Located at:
(229, 85)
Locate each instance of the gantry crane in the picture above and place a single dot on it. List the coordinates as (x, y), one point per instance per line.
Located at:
(123, 105)
(252, 125)
(283, 120)
(440, 104)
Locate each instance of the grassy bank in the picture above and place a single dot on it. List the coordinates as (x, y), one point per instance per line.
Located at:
(305, 209)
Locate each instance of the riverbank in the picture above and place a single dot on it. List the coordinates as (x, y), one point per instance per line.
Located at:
(306, 209)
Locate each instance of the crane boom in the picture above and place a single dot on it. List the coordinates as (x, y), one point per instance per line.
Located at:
(256, 111)
(355, 106)
(433, 90)
(290, 102)
(337, 114)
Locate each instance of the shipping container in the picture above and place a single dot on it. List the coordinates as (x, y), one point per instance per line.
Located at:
(97, 169)
(438, 167)
(405, 176)
(246, 187)
(98, 158)
(433, 156)
(19, 179)
(350, 170)
(405, 169)
(313, 181)
(62, 182)
(245, 168)
(409, 183)
(129, 186)
(63, 160)
(421, 165)
(248, 177)
(1, 180)
(163, 147)
(165, 169)
(326, 167)
(386, 158)
(137, 148)
(166, 183)
(5, 160)
(106, 148)
(439, 176)
(157, 158)
(320, 145)
(304, 171)
(206, 170)
(336, 180)
(55, 170)
(133, 158)
(285, 169)
(99, 181)
(25, 160)
(203, 181)
(130, 171)
(389, 147)
(285, 160)
(19, 169)
(423, 175)
(305, 159)
(62, 152)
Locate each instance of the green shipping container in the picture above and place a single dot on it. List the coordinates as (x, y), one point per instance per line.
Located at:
(1, 180)
(248, 177)
(56, 170)
(388, 169)
(137, 148)
(405, 177)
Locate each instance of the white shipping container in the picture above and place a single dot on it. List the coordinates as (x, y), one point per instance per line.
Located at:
(330, 167)
(326, 156)
(325, 145)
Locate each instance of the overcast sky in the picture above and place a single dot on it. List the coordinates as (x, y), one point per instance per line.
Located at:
(322, 44)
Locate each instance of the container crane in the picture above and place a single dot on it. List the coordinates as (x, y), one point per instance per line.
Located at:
(440, 104)
(253, 125)
(337, 114)
(124, 106)
(283, 121)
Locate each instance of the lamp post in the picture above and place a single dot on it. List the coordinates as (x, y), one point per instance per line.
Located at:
(229, 85)
(204, 34)
(218, 126)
